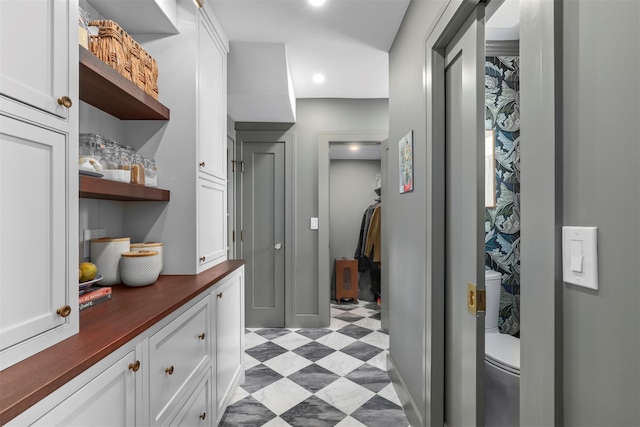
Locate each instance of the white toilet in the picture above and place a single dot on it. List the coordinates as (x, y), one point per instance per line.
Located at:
(501, 363)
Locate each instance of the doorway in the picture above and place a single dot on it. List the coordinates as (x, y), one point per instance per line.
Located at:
(266, 226)
(326, 261)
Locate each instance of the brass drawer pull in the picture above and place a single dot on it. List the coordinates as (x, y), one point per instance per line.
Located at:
(169, 370)
(134, 366)
(202, 164)
(219, 295)
(203, 415)
(203, 258)
(64, 311)
(201, 336)
(65, 101)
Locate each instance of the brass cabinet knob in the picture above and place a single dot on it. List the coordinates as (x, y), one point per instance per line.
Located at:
(219, 295)
(201, 336)
(64, 311)
(65, 101)
(201, 164)
(134, 366)
(203, 415)
(203, 258)
(169, 370)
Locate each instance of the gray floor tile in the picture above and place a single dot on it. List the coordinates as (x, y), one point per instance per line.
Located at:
(349, 317)
(369, 377)
(379, 412)
(313, 378)
(361, 350)
(314, 351)
(313, 333)
(355, 331)
(266, 351)
(272, 333)
(259, 377)
(246, 412)
(313, 412)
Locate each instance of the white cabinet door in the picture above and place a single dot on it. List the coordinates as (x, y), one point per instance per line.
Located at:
(212, 223)
(34, 230)
(34, 52)
(107, 400)
(229, 317)
(212, 101)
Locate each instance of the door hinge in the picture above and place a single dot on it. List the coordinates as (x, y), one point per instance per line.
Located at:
(476, 300)
(242, 235)
(233, 165)
(241, 165)
(233, 235)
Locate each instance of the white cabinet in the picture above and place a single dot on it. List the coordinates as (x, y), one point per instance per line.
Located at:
(229, 324)
(178, 353)
(112, 399)
(34, 52)
(212, 222)
(38, 176)
(212, 100)
(193, 82)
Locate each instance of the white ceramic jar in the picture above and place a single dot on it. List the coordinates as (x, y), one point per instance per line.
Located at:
(139, 268)
(150, 246)
(105, 254)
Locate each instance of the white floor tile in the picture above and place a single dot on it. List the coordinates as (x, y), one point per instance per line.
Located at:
(338, 324)
(287, 363)
(291, 341)
(250, 362)
(377, 339)
(336, 340)
(345, 395)
(281, 396)
(339, 363)
(277, 422)
(389, 393)
(368, 323)
(238, 395)
(379, 361)
(350, 422)
(252, 339)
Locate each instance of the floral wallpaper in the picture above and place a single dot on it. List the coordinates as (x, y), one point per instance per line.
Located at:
(502, 223)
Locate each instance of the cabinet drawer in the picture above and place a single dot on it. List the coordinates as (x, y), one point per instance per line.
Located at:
(197, 411)
(177, 354)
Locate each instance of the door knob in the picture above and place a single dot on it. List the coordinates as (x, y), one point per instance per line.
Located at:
(278, 246)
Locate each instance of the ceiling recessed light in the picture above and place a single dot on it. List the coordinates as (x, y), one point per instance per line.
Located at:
(354, 148)
(317, 2)
(318, 78)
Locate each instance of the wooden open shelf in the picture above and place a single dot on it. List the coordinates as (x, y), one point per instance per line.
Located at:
(102, 87)
(104, 189)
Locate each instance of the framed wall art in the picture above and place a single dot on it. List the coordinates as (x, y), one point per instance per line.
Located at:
(406, 163)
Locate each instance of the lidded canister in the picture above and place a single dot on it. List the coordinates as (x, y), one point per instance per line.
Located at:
(139, 268)
(105, 254)
(150, 246)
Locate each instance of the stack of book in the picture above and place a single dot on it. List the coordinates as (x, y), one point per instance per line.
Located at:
(93, 295)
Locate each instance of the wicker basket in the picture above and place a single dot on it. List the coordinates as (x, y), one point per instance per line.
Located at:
(116, 48)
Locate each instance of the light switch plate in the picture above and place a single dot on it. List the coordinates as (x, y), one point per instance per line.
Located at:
(313, 224)
(580, 256)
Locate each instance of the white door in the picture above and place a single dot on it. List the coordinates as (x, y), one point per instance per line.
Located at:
(35, 72)
(464, 216)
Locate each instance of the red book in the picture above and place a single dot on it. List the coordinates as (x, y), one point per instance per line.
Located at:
(93, 293)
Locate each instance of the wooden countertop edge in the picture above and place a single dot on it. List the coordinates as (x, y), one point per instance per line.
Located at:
(103, 329)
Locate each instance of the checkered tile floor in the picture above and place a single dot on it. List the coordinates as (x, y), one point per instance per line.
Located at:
(318, 377)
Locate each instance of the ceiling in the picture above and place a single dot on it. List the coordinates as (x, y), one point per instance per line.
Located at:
(346, 40)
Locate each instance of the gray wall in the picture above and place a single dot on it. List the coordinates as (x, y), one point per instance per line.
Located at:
(351, 187)
(601, 115)
(315, 116)
(407, 219)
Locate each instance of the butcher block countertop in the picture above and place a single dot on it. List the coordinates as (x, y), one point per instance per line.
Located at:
(103, 329)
